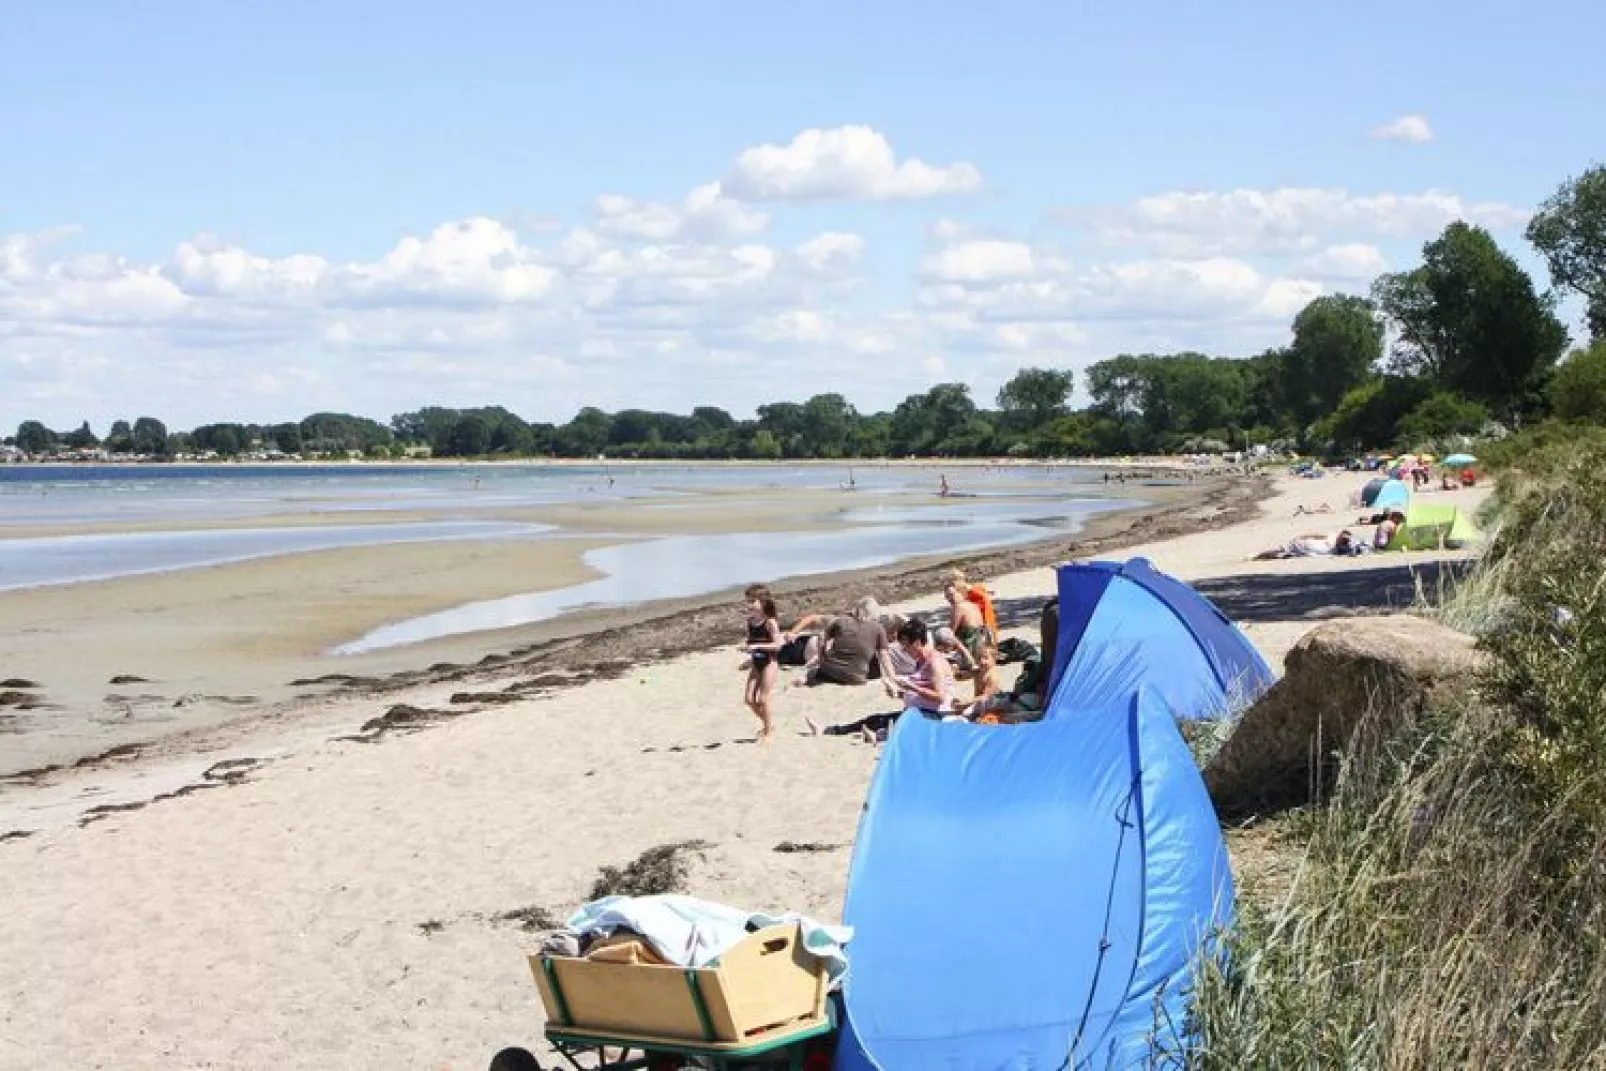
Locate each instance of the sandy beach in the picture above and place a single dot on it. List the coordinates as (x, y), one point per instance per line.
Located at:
(331, 898)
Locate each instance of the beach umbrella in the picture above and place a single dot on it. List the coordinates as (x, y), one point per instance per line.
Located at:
(1458, 461)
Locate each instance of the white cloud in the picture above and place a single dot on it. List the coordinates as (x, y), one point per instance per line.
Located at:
(1412, 128)
(1284, 220)
(831, 251)
(1284, 298)
(1350, 261)
(705, 214)
(475, 260)
(980, 261)
(846, 163)
(204, 266)
(670, 304)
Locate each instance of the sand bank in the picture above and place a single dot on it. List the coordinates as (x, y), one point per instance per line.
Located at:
(137, 659)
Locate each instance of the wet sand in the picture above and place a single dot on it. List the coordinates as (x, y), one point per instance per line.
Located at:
(140, 659)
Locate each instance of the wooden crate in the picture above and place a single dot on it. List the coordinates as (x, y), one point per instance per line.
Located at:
(766, 982)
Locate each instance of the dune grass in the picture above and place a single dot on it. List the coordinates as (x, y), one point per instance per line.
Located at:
(1450, 906)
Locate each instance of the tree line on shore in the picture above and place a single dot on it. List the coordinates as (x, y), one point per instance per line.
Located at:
(1473, 346)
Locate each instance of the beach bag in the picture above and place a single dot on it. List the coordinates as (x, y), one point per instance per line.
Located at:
(1015, 649)
(795, 652)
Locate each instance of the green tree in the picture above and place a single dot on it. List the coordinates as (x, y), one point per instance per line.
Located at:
(1578, 389)
(120, 439)
(1116, 386)
(922, 422)
(225, 439)
(1469, 320)
(1034, 397)
(1337, 340)
(1439, 415)
(586, 435)
(632, 426)
(470, 436)
(872, 436)
(340, 433)
(765, 445)
(81, 439)
(150, 437)
(828, 422)
(1570, 231)
(784, 421)
(431, 425)
(286, 437)
(34, 438)
(1369, 416)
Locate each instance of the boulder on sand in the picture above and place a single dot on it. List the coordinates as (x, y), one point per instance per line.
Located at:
(1382, 671)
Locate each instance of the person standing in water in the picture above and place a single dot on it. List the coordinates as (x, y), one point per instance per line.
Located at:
(764, 648)
(944, 490)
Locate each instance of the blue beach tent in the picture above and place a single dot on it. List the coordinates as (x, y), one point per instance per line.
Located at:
(1126, 625)
(1032, 896)
(1394, 494)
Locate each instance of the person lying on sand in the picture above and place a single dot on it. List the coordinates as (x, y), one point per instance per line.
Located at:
(1313, 545)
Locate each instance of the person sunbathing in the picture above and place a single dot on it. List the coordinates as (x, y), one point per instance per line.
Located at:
(1312, 545)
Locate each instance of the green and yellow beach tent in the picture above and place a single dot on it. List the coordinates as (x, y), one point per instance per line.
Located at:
(1430, 526)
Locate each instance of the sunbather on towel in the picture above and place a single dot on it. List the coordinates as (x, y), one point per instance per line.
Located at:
(1313, 546)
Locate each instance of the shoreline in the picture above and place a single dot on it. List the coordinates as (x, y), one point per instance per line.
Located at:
(582, 646)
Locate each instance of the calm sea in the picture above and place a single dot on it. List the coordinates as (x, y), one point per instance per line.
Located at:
(176, 508)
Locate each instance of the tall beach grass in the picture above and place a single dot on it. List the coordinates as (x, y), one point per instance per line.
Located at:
(1449, 909)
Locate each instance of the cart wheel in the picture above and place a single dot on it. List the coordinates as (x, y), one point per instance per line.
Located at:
(515, 1059)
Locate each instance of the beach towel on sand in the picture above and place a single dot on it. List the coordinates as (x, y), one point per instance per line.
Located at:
(695, 933)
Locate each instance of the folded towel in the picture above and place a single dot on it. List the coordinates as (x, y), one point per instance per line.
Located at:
(695, 933)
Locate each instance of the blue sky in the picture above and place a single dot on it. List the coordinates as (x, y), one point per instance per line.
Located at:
(216, 211)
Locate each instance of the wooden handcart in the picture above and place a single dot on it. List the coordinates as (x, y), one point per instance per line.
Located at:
(763, 1006)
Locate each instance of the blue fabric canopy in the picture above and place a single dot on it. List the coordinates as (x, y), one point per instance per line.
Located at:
(1031, 896)
(1394, 494)
(1125, 625)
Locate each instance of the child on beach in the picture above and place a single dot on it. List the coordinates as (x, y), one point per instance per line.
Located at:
(763, 647)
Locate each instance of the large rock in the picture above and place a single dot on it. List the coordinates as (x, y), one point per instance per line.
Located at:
(1377, 671)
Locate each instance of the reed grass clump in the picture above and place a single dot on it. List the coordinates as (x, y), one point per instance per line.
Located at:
(1450, 907)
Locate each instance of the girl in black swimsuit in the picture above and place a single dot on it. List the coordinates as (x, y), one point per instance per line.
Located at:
(764, 645)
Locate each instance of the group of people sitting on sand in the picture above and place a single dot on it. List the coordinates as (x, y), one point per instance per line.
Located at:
(919, 664)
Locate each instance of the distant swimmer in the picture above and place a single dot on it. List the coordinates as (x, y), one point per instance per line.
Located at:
(476, 483)
(850, 485)
(944, 490)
